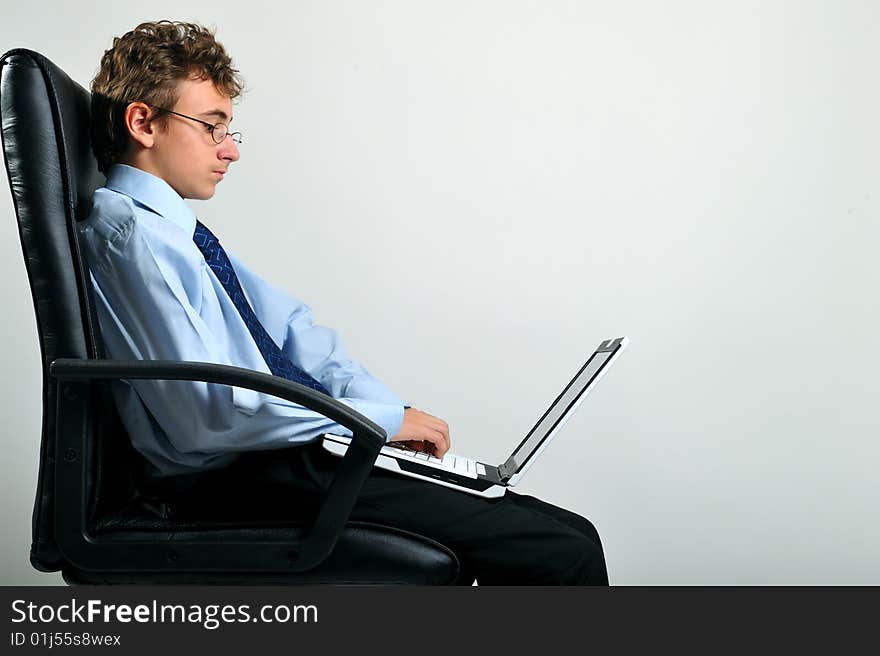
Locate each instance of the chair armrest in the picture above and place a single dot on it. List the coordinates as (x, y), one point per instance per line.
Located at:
(76, 369)
(330, 519)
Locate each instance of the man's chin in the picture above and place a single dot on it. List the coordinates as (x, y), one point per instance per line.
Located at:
(205, 194)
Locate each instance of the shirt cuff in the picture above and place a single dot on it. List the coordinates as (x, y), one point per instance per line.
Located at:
(388, 416)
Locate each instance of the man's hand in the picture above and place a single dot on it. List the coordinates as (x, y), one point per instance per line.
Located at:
(424, 432)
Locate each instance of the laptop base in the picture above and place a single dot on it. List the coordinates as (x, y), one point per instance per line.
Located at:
(481, 486)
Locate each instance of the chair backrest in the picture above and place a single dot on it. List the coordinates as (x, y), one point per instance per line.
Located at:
(52, 174)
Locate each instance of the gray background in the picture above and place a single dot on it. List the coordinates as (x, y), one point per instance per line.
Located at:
(474, 194)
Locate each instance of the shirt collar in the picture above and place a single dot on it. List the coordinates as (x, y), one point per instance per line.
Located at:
(152, 192)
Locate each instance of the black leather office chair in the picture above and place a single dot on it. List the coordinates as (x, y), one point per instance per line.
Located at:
(91, 518)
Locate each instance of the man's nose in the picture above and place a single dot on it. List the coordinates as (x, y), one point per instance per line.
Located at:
(229, 149)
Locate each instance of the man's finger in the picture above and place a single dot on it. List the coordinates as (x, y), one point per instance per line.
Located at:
(443, 430)
(440, 442)
(438, 425)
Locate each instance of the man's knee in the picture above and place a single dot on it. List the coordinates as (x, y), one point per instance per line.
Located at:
(589, 530)
(584, 563)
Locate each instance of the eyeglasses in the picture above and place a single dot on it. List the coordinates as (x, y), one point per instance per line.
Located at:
(218, 130)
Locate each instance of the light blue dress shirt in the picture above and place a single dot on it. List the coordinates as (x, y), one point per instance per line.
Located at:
(157, 299)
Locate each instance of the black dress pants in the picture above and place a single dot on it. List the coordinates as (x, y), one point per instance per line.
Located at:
(513, 540)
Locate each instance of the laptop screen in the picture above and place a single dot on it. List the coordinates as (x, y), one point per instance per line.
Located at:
(560, 407)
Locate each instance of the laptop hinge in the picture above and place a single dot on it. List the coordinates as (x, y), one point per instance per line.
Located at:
(507, 470)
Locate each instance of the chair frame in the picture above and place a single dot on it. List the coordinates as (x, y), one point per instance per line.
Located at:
(197, 552)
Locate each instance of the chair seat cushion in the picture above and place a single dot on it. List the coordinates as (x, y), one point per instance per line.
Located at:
(365, 553)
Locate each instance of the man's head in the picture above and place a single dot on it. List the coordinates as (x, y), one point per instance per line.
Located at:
(149, 73)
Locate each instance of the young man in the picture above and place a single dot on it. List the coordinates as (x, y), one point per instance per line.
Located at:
(166, 289)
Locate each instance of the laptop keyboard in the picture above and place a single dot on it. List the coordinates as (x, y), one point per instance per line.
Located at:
(450, 461)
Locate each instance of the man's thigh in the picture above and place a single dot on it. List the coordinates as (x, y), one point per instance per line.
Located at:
(504, 540)
(407, 496)
(575, 521)
(512, 539)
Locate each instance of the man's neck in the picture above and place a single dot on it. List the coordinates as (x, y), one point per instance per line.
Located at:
(144, 164)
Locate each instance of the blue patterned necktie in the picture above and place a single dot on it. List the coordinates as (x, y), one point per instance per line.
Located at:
(219, 262)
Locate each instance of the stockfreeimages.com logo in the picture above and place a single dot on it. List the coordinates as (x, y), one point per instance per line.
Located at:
(210, 616)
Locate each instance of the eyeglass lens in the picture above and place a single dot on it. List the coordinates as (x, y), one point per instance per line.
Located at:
(221, 130)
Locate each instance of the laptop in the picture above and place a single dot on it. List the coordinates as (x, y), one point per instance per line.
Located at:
(481, 479)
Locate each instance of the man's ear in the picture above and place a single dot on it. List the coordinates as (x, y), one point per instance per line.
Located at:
(138, 120)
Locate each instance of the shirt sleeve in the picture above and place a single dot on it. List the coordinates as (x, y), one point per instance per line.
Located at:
(148, 295)
(319, 350)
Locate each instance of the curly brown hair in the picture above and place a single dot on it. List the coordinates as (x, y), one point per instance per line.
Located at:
(145, 65)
